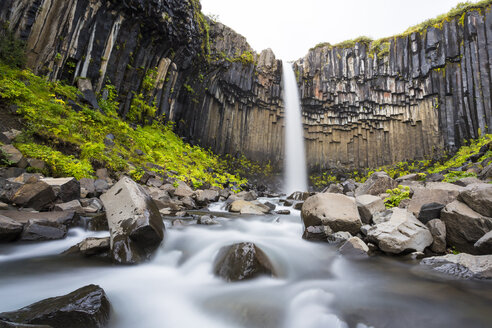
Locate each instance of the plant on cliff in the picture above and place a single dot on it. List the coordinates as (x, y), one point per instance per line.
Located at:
(11, 48)
(396, 195)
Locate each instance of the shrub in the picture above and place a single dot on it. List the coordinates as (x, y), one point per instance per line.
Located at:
(396, 196)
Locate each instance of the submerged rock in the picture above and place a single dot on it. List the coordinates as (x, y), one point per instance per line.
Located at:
(316, 233)
(241, 262)
(90, 246)
(462, 265)
(87, 307)
(135, 224)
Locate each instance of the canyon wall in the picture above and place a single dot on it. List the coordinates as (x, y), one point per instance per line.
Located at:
(408, 97)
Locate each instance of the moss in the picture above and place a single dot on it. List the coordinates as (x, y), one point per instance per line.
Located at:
(11, 48)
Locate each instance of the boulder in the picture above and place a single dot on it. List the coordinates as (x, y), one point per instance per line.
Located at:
(334, 188)
(484, 244)
(349, 186)
(408, 177)
(381, 217)
(96, 222)
(337, 211)
(34, 194)
(91, 205)
(244, 195)
(11, 172)
(316, 233)
(39, 230)
(401, 233)
(338, 238)
(245, 207)
(101, 186)
(183, 190)
(464, 182)
(154, 182)
(207, 220)
(354, 247)
(438, 230)
(464, 226)
(87, 307)
(3, 206)
(68, 219)
(90, 246)
(73, 205)
(298, 206)
(368, 205)
(462, 265)
(135, 223)
(14, 156)
(299, 195)
(102, 173)
(188, 203)
(241, 262)
(430, 211)
(377, 184)
(66, 189)
(422, 196)
(10, 230)
(87, 188)
(479, 198)
(204, 197)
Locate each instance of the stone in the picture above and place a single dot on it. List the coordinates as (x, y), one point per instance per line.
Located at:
(8, 189)
(3, 206)
(270, 206)
(334, 188)
(6, 324)
(188, 203)
(484, 244)
(486, 173)
(68, 219)
(37, 164)
(183, 190)
(73, 205)
(244, 195)
(87, 188)
(246, 207)
(66, 189)
(101, 186)
(11, 172)
(87, 307)
(12, 134)
(423, 196)
(27, 178)
(87, 93)
(338, 238)
(204, 197)
(286, 202)
(299, 195)
(337, 211)
(39, 230)
(408, 177)
(283, 212)
(102, 173)
(36, 195)
(467, 181)
(377, 184)
(10, 230)
(354, 247)
(438, 230)
(135, 224)
(464, 226)
(14, 156)
(401, 233)
(242, 261)
(207, 220)
(97, 222)
(298, 206)
(91, 205)
(404, 203)
(90, 246)
(430, 211)
(365, 228)
(316, 233)
(349, 186)
(154, 182)
(479, 198)
(462, 265)
(368, 205)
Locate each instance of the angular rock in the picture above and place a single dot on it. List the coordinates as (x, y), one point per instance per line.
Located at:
(316, 233)
(14, 155)
(183, 190)
(338, 238)
(68, 219)
(204, 197)
(35, 194)
(154, 182)
(244, 195)
(10, 230)
(66, 189)
(423, 196)
(3, 206)
(354, 247)
(368, 205)
(462, 265)
(478, 198)
(401, 233)
(11, 172)
(438, 230)
(484, 244)
(467, 181)
(87, 93)
(91, 205)
(207, 220)
(101, 186)
(87, 307)
(486, 173)
(408, 177)
(134, 221)
(39, 230)
(188, 203)
(377, 184)
(36, 164)
(87, 188)
(97, 222)
(90, 246)
(298, 206)
(73, 205)
(337, 211)
(299, 195)
(245, 207)
(349, 186)
(334, 188)
(241, 262)
(283, 212)
(430, 211)
(464, 226)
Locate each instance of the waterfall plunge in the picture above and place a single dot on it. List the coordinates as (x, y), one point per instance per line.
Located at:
(295, 175)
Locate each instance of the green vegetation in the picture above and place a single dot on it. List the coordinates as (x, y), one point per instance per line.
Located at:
(11, 48)
(202, 26)
(322, 180)
(396, 195)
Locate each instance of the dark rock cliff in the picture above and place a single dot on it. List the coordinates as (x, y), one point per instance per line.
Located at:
(410, 97)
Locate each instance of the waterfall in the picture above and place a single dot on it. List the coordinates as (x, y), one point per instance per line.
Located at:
(295, 175)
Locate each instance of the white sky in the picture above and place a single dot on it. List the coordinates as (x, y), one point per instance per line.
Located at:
(291, 27)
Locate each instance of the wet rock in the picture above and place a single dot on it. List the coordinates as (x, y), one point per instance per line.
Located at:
(39, 230)
(183, 190)
(6, 324)
(204, 197)
(299, 195)
(86, 307)
(430, 211)
(96, 222)
(402, 232)
(14, 156)
(34, 194)
(298, 206)
(286, 202)
(462, 265)
(91, 205)
(90, 246)
(245, 207)
(338, 238)
(271, 206)
(354, 247)
(283, 212)
(438, 230)
(377, 184)
(87, 188)
(484, 244)
(207, 220)
(464, 226)
(66, 189)
(73, 205)
(316, 233)
(68, 219)
(241, 262)
(10, 230)
(478, 198)
(134, 221)
(368, 205)
(244, 195)
(337, 211)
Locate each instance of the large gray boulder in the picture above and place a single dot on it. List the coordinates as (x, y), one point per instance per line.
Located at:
(368, 205)
(39, 230)
(68, 219)
(438, 230)
(135, 224)
(246, 207)
(484, 244)
(464, 226)
(10, 229)
(479, 198)
(66, 189)
(462, 265)
(204, 197)
(242, 261)
(434, 192)
(377, 184)
(183, 190)
(34, 194)
(87, 307)
(337, 211)
(402, 232)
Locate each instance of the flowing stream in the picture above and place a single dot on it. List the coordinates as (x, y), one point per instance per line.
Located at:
(295, 158)
(316, 286)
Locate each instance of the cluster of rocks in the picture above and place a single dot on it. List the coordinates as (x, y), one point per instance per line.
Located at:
(438, 218)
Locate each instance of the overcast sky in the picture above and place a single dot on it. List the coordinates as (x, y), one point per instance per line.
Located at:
(291, 27)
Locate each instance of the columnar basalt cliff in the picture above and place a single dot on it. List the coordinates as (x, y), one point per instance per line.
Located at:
(408, 97)
(208, 79)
